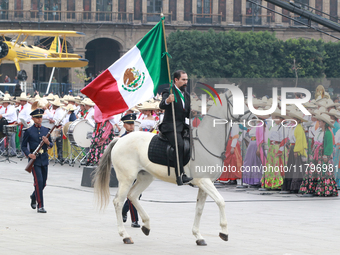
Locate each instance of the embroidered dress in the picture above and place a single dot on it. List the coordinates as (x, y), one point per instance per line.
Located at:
(232, 162)
(272, 178)
(252, 164)
(147, 125)
(100, 141)
(319, 178)
(295, 166)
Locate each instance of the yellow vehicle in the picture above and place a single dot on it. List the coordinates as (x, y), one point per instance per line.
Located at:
(56, 56)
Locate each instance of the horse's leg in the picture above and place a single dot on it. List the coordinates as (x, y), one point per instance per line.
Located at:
(207, 186)
(201, 197)
(123, 189)
(144, 179)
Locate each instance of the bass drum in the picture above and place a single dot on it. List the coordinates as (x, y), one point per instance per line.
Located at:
(79, 133)
(3, 122)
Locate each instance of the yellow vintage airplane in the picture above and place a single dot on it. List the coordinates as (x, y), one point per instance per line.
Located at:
(55, 56)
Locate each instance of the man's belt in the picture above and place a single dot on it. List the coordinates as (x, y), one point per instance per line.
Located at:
(41, 151)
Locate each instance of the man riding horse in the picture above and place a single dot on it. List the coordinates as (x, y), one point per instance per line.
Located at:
(182, 111)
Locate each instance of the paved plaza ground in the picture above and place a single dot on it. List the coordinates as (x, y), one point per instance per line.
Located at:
(270, 224)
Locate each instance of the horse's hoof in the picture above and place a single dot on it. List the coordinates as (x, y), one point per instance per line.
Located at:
(201, 242)
(128, 240)
(145, 230)
(224, 237)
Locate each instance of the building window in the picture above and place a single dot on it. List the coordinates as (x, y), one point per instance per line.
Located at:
(222, 8)
(305, 5)
(122, 10)
(71, 8)
(237, 11)
(187, 10)
(318, 6)
(204, 6)
(138, 10)
(173, 9)
(51, 10)
(18, 8)
(87, 9)
(287, 13)
(4, 8)
(334, 10)
(154, 6)
(253, 13)
(271, 15)
(104, 10)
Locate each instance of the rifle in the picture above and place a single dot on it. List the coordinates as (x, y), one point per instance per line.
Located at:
(29, 166)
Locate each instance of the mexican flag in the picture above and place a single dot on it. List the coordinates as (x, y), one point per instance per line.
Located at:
(132, 79)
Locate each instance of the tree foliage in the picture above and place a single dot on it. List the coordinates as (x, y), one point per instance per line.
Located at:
(251, 55)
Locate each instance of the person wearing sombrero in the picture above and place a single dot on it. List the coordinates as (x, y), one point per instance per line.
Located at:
(298, 145)
(89, 104)
(149, 121)
(58, 115)
(335, 116)
(319, 179)
(272, 175)
(24, 115)
(10, 114)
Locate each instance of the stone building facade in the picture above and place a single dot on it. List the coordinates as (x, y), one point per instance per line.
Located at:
(112, 27)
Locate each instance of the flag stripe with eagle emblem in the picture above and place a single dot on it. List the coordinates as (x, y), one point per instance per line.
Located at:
(132, 79)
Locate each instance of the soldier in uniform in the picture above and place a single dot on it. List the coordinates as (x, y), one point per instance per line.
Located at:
(32, 137)
(129, 125)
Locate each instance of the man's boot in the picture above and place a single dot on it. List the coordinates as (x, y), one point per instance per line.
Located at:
(179, 181)
(186, 179)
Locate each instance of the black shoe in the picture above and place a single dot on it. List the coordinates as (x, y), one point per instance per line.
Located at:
(179, 181)
(186, 179)
(33, 202)
(41, 210)
(135, 224)
(124, 217)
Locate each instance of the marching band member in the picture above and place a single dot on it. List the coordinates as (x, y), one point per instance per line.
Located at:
(89, 115)
(58, 115)
(10, 115)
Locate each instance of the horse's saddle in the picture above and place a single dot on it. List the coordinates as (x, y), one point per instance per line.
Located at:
(161, 152)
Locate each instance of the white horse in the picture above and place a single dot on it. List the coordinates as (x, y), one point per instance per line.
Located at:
(130, 160)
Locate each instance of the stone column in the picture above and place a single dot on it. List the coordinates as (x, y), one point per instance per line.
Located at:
(165, 6)
(79, 8)
(215, 11)
(130, 8)
(180, 11)
(144, 10)
(264, 12)
(243, 12)
(278, 18)
(93, 9)
(230, 12)
(194, 10)
(326, 8)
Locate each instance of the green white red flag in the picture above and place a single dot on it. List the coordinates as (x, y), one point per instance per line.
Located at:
(134, 78)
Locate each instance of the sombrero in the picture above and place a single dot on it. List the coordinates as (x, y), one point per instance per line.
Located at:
(23, 97)
(88, 101)
(326, 118)
(297, 115)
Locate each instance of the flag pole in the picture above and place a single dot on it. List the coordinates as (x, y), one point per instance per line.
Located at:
(171, 92)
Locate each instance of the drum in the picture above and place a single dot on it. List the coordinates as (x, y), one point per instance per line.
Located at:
(66, 127)
(3, 122)
(10, 129)
(78, 133)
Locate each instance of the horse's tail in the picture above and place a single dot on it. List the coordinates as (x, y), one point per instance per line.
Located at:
(101, 177)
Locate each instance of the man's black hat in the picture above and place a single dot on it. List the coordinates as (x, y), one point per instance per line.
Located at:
(37, 113)
(129, 118)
